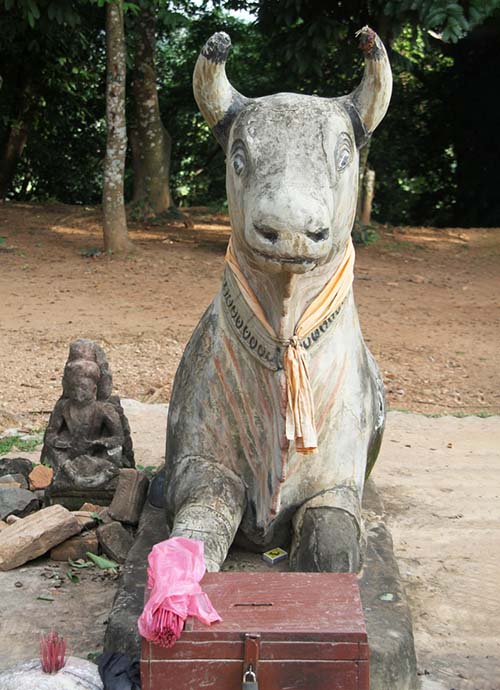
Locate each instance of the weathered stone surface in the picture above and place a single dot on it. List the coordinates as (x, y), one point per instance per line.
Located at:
(72, 499)
(15, 481)
(393, 662)
(40, 477)
(105, 516)
(122, 634)
(115, 541)
(3, 525)
(85, 519)
(15, 466)
(129, 497)
(18, 502)
(35, 535)
(91, 507)
(77, 674)
(76, 547)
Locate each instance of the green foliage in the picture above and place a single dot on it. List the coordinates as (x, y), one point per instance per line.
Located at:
(103, 563)
(452, 20)
(44, 12)
(364, 234)
(28, 445)
(432, 154)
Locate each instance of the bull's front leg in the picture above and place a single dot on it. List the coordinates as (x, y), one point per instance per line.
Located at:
(205, 501)
(326, 533)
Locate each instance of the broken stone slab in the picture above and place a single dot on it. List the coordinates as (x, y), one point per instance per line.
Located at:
(14, 481)
(35, 535)
(15, 466)
(76, 547)
(393, 662)
(40, 477)
(129, 497)
(76, 674)
(91, 507)
(73, 499)
(85, 519)
(115, 541)
(14, 501)
(122, 634)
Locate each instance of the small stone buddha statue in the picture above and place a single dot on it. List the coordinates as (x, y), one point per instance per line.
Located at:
(87, 439)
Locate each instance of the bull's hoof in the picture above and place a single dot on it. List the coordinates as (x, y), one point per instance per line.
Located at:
(328, 542)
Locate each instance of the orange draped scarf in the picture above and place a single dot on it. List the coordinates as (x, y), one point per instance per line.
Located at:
(300, 424)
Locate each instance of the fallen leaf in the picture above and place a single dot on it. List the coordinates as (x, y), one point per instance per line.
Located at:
(103, 563)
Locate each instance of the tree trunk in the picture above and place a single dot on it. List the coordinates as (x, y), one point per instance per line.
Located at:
(16, 140)
(363, 167)
(368, 194)
(114, 220)
(151, 143)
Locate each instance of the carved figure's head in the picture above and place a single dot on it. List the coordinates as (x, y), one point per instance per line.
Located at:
(292, 160)
(88, 349)
(80, 381)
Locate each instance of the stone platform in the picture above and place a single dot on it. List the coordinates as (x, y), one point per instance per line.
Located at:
(393, 662)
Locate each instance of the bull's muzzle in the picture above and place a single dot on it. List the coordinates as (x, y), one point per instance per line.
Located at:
(297, 250)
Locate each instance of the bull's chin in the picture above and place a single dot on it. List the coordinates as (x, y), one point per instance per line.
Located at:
(279, 264)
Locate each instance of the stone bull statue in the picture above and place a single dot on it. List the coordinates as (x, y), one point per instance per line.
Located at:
(277, 410)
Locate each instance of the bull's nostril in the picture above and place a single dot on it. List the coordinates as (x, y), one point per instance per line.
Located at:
(318, 235)
(267, 233)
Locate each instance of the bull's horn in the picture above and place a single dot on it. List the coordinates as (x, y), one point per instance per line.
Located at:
(368, 103)
(218, 102)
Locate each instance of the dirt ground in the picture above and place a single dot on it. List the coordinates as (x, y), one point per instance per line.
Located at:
(428, 302)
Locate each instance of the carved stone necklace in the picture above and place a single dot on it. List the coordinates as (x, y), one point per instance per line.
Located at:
(259, 338)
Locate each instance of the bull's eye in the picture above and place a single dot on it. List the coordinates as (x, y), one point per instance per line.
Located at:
(239, 161)
(343, 152)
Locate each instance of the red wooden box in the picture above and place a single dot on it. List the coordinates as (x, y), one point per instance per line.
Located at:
(299, 631)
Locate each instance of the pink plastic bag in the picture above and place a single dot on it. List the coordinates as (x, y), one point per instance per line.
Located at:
(175, 568)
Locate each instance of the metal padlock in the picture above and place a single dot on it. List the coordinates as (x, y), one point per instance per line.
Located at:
(250, 681)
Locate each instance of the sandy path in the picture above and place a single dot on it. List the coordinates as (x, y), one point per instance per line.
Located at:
(440, 482)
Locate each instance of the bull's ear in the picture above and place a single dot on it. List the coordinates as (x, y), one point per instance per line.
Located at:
(218, 101)
(368, 103)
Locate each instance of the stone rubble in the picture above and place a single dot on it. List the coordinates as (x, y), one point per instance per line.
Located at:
(76, 547)
(129, 497)
(35, 535)
(15, 466)
(115, 541)
(15, 501)
(40, 477)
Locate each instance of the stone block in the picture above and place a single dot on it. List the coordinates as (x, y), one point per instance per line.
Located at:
(85, 519)
(129, 497)
(14, 501)
(35, 535)
(91, 507)
(74, 498)
(14, 481)
(15, 466)
(75, 547)
(115, 541)
(40, 477)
